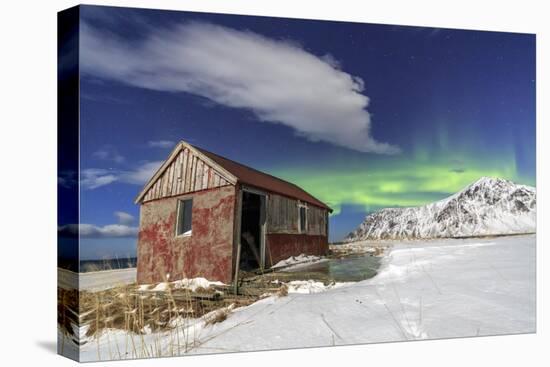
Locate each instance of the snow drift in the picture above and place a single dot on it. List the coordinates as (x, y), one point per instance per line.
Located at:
(489, 206)
(416, 295)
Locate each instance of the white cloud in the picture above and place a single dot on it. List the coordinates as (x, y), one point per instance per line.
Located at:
(93, 231)
(121, 229)
(161, 144)
(93, 178)
(108, 153)
(140, 175)
(278, 80)
(124, 218)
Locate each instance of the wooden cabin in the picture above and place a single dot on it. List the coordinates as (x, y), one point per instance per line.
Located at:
(203, 215)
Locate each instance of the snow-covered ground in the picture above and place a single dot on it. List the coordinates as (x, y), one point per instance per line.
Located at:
(424, 290)
(311, 286)
(438, 289)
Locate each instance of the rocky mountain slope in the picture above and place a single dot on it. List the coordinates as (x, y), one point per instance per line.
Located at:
(489, 206)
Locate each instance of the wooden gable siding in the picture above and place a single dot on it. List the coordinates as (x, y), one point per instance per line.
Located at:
(187, 173)
(282, 216)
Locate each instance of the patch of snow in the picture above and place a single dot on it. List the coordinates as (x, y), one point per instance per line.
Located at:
(311, 286)
(298, 260)
(192, 284)
(161, 287)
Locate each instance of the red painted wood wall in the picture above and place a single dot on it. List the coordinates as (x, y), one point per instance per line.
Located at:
(207, 252)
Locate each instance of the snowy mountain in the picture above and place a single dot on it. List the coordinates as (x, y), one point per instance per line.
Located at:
(489, 206)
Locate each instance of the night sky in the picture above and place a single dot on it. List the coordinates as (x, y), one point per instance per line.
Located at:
(362, 116)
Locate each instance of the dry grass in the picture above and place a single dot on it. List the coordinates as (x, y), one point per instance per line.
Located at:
(129, 309)
(218, 315)
(138, 312)
(283, 291)
(67, 309)
(147, 317)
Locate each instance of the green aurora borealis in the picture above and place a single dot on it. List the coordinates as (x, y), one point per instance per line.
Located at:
(402, 180)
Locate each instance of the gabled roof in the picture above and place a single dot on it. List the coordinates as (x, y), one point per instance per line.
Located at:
(235, 172)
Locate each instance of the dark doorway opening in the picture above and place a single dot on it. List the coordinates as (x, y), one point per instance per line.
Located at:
(252, 236)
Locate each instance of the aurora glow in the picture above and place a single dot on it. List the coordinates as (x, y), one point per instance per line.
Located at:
(397, 184)
(361, 188)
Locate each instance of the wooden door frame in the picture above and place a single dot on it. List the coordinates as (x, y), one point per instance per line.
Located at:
(263, 209)
(263, 206)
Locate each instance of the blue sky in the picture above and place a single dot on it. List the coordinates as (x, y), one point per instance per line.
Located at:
(363, 116)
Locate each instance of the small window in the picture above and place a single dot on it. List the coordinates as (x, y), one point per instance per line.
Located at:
(184, 219)
(303, 219)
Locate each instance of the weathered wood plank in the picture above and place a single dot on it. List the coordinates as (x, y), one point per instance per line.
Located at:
(210, 182)
(193, 174)
(183, 173)
(173, 178)
(176, 176)
(169, 174)
(155, 189)
(198, 179)
(204, 183)
(188, 173)
(196, 176)
(164, 184)
(159, 189)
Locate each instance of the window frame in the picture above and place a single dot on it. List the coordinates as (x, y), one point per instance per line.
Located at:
(300, 207)
(180, 216)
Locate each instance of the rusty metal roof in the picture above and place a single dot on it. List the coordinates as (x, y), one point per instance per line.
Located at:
(252, 177)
